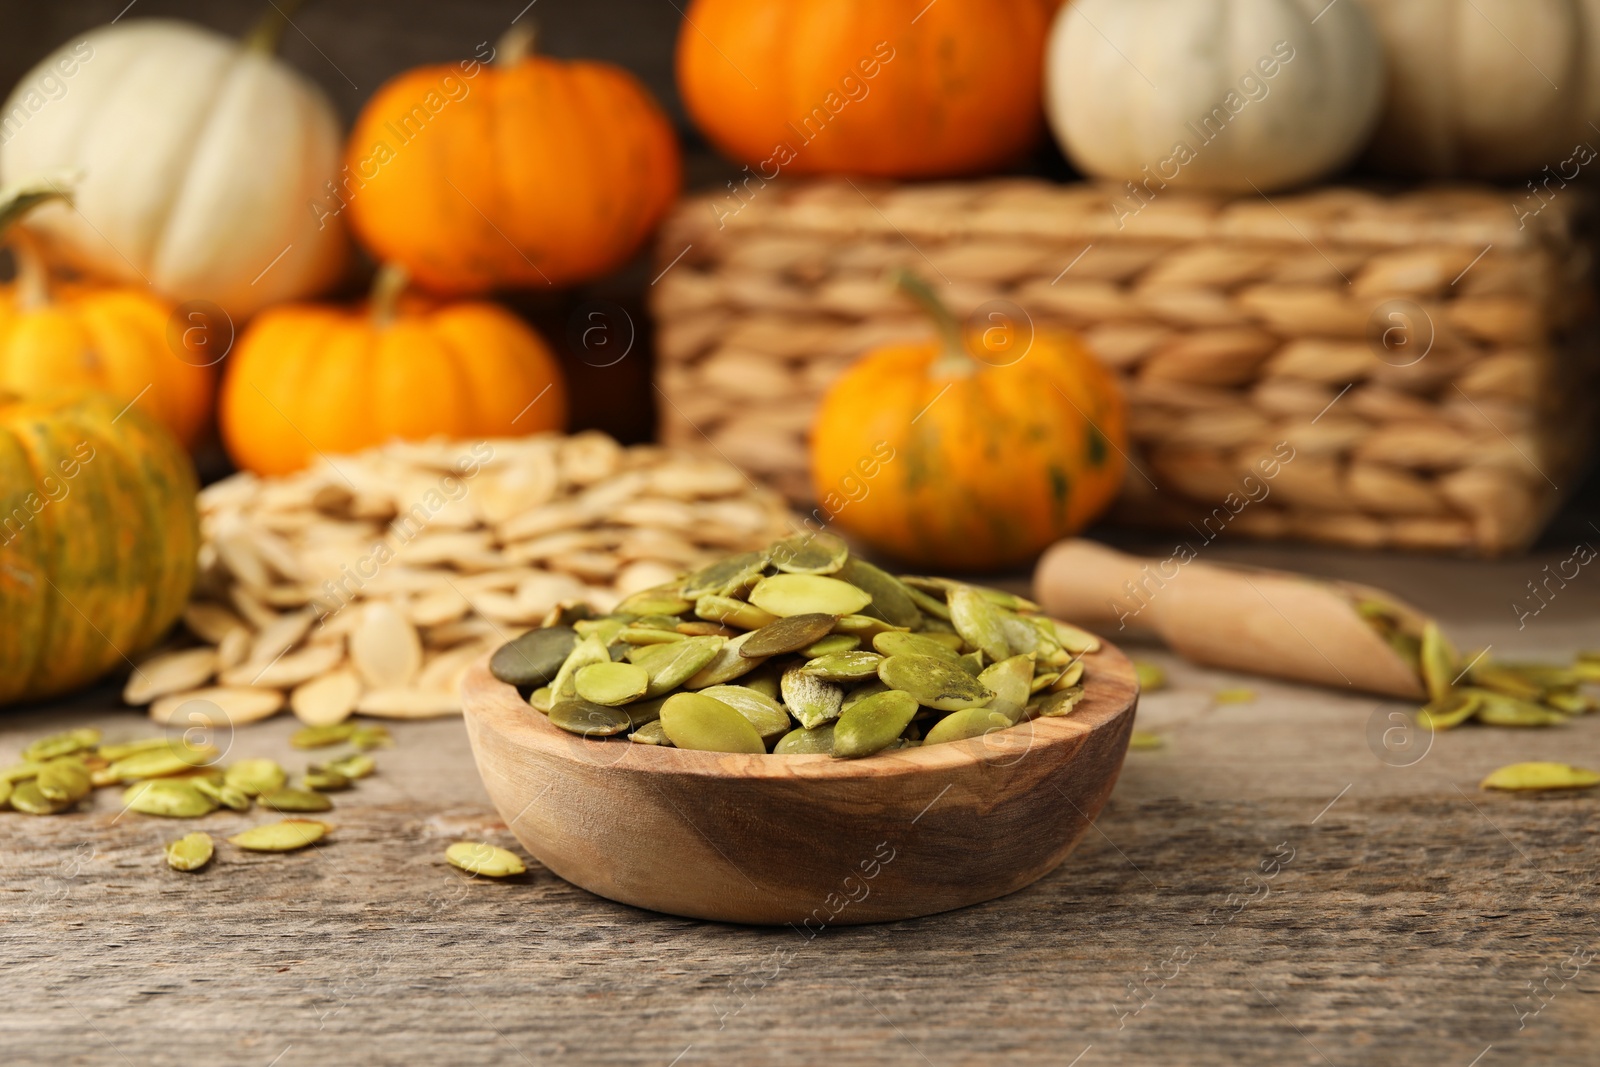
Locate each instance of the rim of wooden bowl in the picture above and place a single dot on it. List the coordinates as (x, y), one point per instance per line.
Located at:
(1111, 690)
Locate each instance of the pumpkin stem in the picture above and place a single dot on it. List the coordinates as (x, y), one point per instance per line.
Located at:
(268, 31)
(33, 289)
(516, 44)
(955, 359)
(391, 281)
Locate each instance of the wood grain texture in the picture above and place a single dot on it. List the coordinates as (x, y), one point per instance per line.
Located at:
(809, 841)
(1404, 931)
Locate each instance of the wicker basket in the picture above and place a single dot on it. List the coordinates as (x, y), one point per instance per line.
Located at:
(1235, 324)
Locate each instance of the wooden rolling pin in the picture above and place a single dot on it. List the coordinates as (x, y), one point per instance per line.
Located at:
(1332, 633)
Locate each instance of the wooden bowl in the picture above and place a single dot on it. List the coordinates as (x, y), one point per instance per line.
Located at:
(807, 840)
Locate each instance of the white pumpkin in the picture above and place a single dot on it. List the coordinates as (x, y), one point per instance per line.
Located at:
(1212, 94)
(1487, 88)
(198, 156)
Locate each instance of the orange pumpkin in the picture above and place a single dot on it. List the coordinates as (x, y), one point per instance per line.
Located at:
(891, 88)
(974, 452)
(524, 172)
(120, 340)
(98, 538)
(310, 379)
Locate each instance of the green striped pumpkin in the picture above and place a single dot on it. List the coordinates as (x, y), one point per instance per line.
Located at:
(98, 539)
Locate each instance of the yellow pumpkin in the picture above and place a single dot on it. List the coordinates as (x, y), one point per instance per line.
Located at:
(973, 452)
(98, 539)
(124, 341)
(314, 379)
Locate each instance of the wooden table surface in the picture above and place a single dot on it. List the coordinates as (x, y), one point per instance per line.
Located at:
(1274, 886)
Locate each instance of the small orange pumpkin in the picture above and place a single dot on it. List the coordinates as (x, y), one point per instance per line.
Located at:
(120, 340)
(891, 88)
(312, 379)
(522, 172)
(965, 454)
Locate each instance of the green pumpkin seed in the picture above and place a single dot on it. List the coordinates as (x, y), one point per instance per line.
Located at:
(1452, 711)
(804, 742)
(652, 733)
(810, 553)
(862, 692)
(541, 699)
(1070, 675)
(356, 765)
(1438, 662)
(532, 660)
(670, 666)
(5, 792)
(935, 683)
(290, 799)
(808, 594)
(764, 681)
(578, 716)
(1234, 696)
(764, 713)
(225, 795)
(929, 604)
(64, 780)
(590, 650)
(128, 748)
(21, 772)
(1151, 676)
(1571, 703)
(253, 777)
(1144, 740)
(979, 623)
(873, 724)
(1511, 683)
(190, 852)
(725, 577)
(733, 612)
(891, 599)
(729, 663)
(322, 736)
(286, 836)
(831, 644)
(611, 684)
(1076, 641)
(479, 857)
(894, 643)
(1009, 680)
(971, 662)
(1540, 776)
(657, 622)
(25, 797)
(960, 725)
(695, 721)
(1055, 705)
(645, 635)
(789, 634)
(844, 666)
(864, 626)
(62, 744)
(157, 763)
(810, 700)
(172, 798)
(368, 737)
(608, 628)
(322, 779)
(662, 600)
(700, 628)
(1497, 709)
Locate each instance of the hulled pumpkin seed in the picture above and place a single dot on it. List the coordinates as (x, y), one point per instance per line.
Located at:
(253, 777)
(322, 736)
(729, 663)
(5, 792)
(979, 623)
(158, 763)
(891, 599)
(810, 553)
(764, 713)
(804, 742)
(696, 721)
(789, 634)
(873, 724)
(26, 797)
(894, 643)
(1151, 676)
(1141, 740)
(808, 594)
(1540, 776)
(652, 733)
(286, 836)
(1008, 680)
(927, 603)
(21, 772)
(1511, 683)
(611, 684)
(225, 795)
(659, 601)
(1055, 705)
(935, 683)
(321, 778)
(128, 748)
(1070, 676)
(827, 646)
(578, 716)
(844, 666)
(862, 692)
(1497, 709)
(190, 852)
(1076, 641)
(479, 857)
(725, 577)
(810, 700)
(732, 611)
(971, 662)
(1438, 662)
(590, 650)
(960, 725)
(353, 766)
(62, 744)
(670, 666)
(64, 780)
(168, 797)
(294, 800)
(534, 658)
(1452, 711)
(367, 737)
(864, 626)
(541, 699)
(648, 635)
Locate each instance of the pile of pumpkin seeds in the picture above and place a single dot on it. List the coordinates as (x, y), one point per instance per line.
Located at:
(172, 777)
(1462, 688)
(800, 649)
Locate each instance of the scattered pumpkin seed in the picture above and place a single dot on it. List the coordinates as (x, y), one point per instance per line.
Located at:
(64, 780)
(253, 777)
(847, 666)
(1233, 696)
(5, 791)
(1452, 711)
(579, 716)
(370, 736)
(611, 684)
(190, 852)
(804, 742)
(1151, 676)
(20, 772)
(294, 800)
(1497, 709)
(873, 724)
(285, 836)
(960, 725)
(128, 748)
(935, 683)
(225, 795)
(1071, 675)
(808, 594)
(26, 797)
(62, 744)
(696, 721)
(1142, 740)
(652, 733)
(1540, 776)
(321, 778)
(478, 857)
(810, 700)
(1438, 662)
(789, 634)
(1055, 705)
(323, 736)
(168, 797)
(532, 660)
(354, 766)
(158, 763)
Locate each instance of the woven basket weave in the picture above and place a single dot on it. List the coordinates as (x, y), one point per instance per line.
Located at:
(1430, 356)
